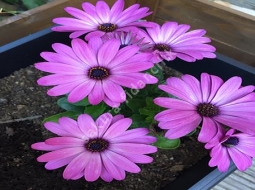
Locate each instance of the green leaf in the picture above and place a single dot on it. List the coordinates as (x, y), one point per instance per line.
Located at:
(192, 132)
(55, 118)
(149, 102)
(84, 102)
(64, 104)
(157, 71)
(165, 143)
(139, 121)
(29, 4)
(135, 104)
(95, 111)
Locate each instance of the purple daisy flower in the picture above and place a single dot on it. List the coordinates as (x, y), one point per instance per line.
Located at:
(100, 19)
(172, 40)
(231, 145)
(95, 69)
(210, 100)
(102, 148)
(128, 38)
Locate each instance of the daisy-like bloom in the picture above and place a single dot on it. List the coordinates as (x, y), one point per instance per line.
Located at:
(100, 19)
(128, 38)
(231, 145)
(95, 69)
(102, 148)
(210, 101)
(172, 40)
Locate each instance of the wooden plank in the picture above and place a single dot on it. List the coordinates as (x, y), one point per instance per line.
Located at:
(238, 180)
(39, 18)
(232, 32)
(250, 4)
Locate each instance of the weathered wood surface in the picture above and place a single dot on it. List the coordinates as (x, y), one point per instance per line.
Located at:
(250, 4)
(232, 32)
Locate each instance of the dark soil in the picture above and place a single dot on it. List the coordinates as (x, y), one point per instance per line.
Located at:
(24, 104)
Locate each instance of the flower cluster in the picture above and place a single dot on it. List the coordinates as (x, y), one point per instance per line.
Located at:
(218, 106)
(105, 131)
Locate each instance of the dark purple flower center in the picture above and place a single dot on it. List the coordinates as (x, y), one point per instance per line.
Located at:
(97, 145)
(161, 47)
(207, 110)
(232, 141)
(123, 45)
(107, 27)
(98, 73)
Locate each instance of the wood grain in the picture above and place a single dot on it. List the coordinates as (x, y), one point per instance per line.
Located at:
(232, 33)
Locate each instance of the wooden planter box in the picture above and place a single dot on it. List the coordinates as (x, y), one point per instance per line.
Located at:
(200, 176)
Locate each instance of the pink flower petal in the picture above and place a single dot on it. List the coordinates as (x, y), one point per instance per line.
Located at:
(174, 104)
(87, 126)
(70, 24)
(117, 128)
(215, 83)
(103, 122)
(132, 67)
(114, 92)
(94, 167)
(61, 89)
(80, 15)
(71, 127)
(172, 114)
(95, 44)
(62, 58)
(208, 131)
(116, 172)
(182, 129)
(60, 154)
(65, 142)
(59, 68)
(116, 10)
(107, 52)
(56, 79)
(194, 86)
(45, 147)
(226, 89)
(89, 8)
(122, 162)
(180, 89)
(113, 104)
(56, 128)
(133, 148)
(80, 92)
(123, 55)
(194, 119)
(240, 93)
(97, 94)
(77, 165)
(84, 52)
(105, 175)
(242, 161)
(55, 164)
(103, 11)
(242, 124)
(64, 50)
